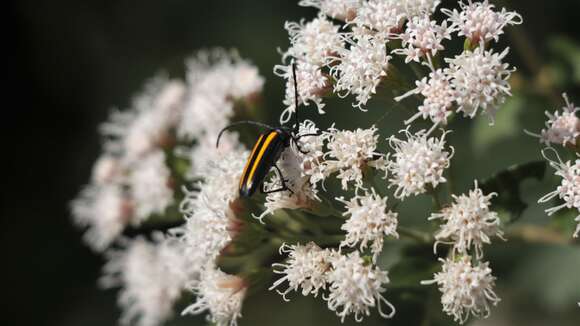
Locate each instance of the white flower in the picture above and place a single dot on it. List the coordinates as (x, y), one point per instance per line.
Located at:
(384, 17)
(360, 68)
(350, 153)
(169, 101)
(312, 85)
(305, 270)
(387, 16)
(419, 163)
(107, 169)
(205, 114)
(105, 210)
(569, 188)
(245, 79)
(422, 37)
(205, 151)
(355, 287)
(149, 184)
(415, 8)
(439, 98)
(480, 80)
(301, 194)
(146, 127)
(344, 10)
(562, 128)
(220, 294)
(466, 289)
(479, 22)
(223, 73)
(314, 41)
(468, 222)
(152, 277)
(312, 152)
(216, 79)
(208, 211)
(369, 222)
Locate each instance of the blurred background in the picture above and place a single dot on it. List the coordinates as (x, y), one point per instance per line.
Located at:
(69, 62)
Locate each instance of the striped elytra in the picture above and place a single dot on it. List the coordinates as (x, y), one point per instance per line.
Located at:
(264, 155)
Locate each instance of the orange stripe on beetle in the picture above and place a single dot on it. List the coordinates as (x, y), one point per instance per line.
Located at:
(243, 177)
(267, 142)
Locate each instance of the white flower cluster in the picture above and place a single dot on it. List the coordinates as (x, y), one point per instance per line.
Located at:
(131, 181)
(350, 152)
(221, 294)
(475, 79)
(353, 285)
(354, 59)
(349, 49)
(418, 163)
(479, 22)
(423, 37)
(569, 189)
(138, 177)
(467, 289)
(152, 276)
(468, 222)
(369, 222)
(218, 81)
(561, 128)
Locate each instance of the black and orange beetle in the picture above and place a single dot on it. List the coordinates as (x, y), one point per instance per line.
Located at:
(267, 150)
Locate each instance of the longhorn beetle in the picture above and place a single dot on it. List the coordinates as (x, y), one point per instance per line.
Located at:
(267, 150)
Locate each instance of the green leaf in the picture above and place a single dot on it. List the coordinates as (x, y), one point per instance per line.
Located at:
(507, 185)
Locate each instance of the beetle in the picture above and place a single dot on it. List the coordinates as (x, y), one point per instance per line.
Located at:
(267, 150)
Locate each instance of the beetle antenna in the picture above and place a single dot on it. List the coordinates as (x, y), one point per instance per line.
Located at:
(297, 126)
(237, 123)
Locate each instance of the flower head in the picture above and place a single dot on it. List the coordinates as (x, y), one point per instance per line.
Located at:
(386, 17)
(314, 41)
(152, 276)
(216, 79)
(383, 17)
(311, 82)
(422, 37)
(368, 222)
(208, 211)
(305, 270)
(480, 80)
(355, 287)
(361, 68)
(149, 183)
(350, 153)
(466, 289)
(479, 22)
(344, 10)
(221, 294)
(562, 128)
(300, 193)
(418, 163)
(105, 210)
(146, 127)
(569, 188)
(439, 98)
(469, 222)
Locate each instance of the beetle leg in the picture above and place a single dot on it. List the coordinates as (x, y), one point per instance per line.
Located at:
(296, 138)
(281, 188)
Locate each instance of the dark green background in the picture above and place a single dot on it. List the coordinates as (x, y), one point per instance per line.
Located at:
(68, 62)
